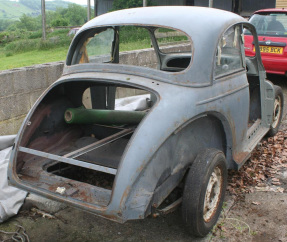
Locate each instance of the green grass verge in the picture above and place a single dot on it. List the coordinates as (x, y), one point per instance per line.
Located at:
(32, 58)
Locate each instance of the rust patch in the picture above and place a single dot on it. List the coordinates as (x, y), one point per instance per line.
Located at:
(240, 157)
(126, 192)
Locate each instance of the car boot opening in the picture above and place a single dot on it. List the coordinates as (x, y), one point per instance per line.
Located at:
(75, 138)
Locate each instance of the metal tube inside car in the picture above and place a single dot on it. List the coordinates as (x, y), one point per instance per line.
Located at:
(96, 116)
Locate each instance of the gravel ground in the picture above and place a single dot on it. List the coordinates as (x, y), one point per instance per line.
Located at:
(257, 216)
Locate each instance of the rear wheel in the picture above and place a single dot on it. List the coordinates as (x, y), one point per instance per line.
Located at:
(277, 111)
(204, 192)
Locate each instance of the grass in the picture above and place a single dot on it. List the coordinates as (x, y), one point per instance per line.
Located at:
(28, 49)
(32, 58)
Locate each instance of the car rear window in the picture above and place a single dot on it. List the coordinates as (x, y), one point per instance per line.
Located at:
(271, 24)
(133, 45)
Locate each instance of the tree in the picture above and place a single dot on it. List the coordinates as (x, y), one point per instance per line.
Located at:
(121, 4)
(28, 23)
(75, 14)
(4, 24)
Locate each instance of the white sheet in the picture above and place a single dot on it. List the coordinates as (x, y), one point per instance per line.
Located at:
(11, 198)
(133, 103)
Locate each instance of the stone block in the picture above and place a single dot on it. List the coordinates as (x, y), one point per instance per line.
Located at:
(7, 107)
(23, 105)
(17, 123)
(7, 127)
(14, 105)
(54, 72)
(6, 83)
(35, 95)
(11, 126)
(28, 79)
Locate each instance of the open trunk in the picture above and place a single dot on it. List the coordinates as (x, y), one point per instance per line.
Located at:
(73, 141)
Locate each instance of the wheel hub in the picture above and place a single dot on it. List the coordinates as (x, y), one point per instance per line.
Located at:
(276, 112)
(212, 195)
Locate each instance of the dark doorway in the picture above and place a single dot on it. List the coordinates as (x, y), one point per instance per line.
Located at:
(189, 2)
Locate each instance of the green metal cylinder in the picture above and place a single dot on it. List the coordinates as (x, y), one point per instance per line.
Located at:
(97, 116)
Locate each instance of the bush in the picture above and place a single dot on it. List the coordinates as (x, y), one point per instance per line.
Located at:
(21, 46)
(35, 35)
(59, 32)
(59, 22)
(8, 54)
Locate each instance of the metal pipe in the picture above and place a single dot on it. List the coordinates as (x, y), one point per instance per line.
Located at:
(97, 116)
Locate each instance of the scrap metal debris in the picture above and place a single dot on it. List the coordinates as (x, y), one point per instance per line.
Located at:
(19, 235)
(259, 173)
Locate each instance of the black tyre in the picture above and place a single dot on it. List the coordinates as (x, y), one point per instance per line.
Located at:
(277, 111)
(204, 192)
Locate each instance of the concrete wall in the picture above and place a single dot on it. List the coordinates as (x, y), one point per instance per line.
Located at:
(21, 87)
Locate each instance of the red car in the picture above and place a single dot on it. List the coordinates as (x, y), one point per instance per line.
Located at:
(271, 27)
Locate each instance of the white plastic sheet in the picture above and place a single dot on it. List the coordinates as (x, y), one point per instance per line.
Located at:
(133, 103)
(11, 198)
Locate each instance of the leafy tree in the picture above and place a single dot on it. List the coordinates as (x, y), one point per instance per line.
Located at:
(28, 23)
(59, 22)
(74, 14)
(121, 4)
(4, 24)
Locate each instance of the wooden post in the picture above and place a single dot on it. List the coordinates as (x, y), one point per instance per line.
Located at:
(43, 19)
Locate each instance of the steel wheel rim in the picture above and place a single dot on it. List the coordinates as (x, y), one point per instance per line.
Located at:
(276, 112)
(212, 194)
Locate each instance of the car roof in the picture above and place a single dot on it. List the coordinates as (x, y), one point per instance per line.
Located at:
(184, 18)
(204, 25)
(271, 10)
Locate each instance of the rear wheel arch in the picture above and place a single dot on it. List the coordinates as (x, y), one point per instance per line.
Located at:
(175, 155)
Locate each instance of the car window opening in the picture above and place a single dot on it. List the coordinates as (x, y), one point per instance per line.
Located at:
(153, 47)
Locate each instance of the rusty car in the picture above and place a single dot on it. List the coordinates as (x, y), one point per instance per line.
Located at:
(202, 106)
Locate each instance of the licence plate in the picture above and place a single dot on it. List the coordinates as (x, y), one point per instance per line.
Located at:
(271, 49)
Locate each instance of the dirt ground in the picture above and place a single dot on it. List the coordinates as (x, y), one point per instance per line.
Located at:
(260, 215)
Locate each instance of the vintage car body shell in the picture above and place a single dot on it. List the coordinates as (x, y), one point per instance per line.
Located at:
(193, 110)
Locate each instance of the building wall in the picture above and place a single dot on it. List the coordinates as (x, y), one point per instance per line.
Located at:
(104, 6)
(169, 2)
(248, 7)
(281, 4)
(223, 4)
